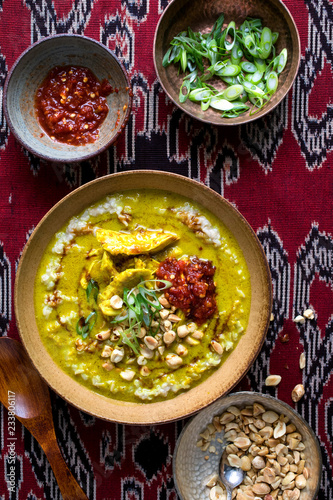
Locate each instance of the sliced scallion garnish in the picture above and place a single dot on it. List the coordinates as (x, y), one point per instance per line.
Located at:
(92, 289)
(234, 55)
(85, 325)
(141, 308)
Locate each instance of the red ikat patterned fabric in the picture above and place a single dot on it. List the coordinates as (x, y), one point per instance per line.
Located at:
(277, 171)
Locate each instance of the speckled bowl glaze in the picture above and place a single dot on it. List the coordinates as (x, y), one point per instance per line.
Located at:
(220, 381)
(29, 71)
(191, 470)
(200, 15)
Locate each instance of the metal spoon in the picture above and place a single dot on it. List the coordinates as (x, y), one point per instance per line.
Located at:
(230, 476)
(20, 380)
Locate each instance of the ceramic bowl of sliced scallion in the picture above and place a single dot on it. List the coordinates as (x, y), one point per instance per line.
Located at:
(226, 63)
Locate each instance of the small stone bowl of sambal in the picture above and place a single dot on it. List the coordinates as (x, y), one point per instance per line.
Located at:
(67, 98)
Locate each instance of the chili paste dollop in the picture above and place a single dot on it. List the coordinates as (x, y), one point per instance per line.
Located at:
(193, 288)
(71, 104)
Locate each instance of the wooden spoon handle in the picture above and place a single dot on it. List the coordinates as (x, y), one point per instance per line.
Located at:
(68, 485)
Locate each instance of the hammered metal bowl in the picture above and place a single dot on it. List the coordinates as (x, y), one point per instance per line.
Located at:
(29, 71)
(200, 15)
(191, 469)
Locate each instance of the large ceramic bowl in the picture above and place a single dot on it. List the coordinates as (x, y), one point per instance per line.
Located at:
(30, 70)
(193, 467)
(217, 384)
(200, 15)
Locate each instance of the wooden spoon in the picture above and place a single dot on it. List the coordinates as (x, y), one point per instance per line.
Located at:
(33, 409)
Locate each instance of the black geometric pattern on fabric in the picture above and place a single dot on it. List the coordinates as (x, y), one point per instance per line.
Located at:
(112, 453)
(71, 173)
(163, 3)
(87, 172)
(143, 151)
(180, 424)
(316, 256)
(72, 448)
(280, 272)
(41, 467)
(150, 454)
(279, 266)
(141, 100)
(149, 155)
(132, 489)
(88, 420)
(34, 161)
(46, 22)
(117, 30)
(13, 493)
(314, 135)
(5, 292)
(225, 171)
(3, 123)
(314, 259)
(263, 137)
(173, 131)
(203, 141)
(151, 122)
(203, 138)
(138, 10)
(76, 173)
(165, 488)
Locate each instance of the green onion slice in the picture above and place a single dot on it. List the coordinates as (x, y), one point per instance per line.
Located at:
(232, 93)
(238, 109)
(248, 67)
(266, 43)
(231, 31)
(230, 80)
(236, 55)
(166, 59)
(220, 104)
(252, 89)
(85, 325)
(229, 70)
(256, 77)
(250, 45)
(282, 61)
(216, 30)
(200, 94)
(129, 338)
(205, 104)
(186, 85)
(272, 82)
(92, 289)
(183, 60)
(260, 64)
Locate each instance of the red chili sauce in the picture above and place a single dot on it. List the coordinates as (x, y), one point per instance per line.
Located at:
(193, 288)
(71, 104)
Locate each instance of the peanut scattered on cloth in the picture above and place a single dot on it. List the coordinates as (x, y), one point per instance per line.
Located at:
(266, 446)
